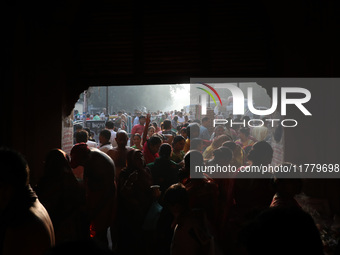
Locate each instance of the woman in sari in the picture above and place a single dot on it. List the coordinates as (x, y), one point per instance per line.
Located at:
(245, 140)
(217, 142)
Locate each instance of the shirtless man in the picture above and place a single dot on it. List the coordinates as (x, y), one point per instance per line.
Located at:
(25, 226)
(118, 154)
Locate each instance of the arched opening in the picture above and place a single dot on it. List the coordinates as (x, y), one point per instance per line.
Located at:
(107, 101)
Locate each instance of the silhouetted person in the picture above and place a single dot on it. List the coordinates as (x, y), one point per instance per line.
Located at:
(118, 154)
(81, 136)
(25, 226)
(59, 192)
(286, 188)
(282, 231)
(196, 144)
(99, 180)
(238, 155)
(202, 190)
(163, 170)
(191, 232)
(222, 158)
(134, 200)
(193, 131)
(79, 155)
(255, 193)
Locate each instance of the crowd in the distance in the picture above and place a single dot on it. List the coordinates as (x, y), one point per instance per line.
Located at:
(133, 193)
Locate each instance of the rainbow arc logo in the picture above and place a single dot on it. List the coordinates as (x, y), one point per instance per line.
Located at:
(209, 93)
(204, 97)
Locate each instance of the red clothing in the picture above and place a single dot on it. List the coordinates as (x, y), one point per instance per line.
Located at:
(148, 156)
(137, 129)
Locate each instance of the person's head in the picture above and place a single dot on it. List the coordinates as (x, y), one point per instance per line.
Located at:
(137, 139)
(154, 143)
(151, 131)
(135, 159)
(261, 153)
(89, 133)
(193, 130)
(78, 127)
(14, 170)
(176, 118)
(197, 121)
(195, 157)
(196, 144)
(219, 130)
(205, 121)
(79, 154)
(282, 231)
(142, 120)
(154, 124)
(122, 139)
(223, 155)
(176, 199)
(218, 141)
(57, 163)
(244, 133)
(167, 124)
(230, 144)
(180, 114)
(165, 150)
(191, 159)
(178, 143)
(104, 136)
(246, 119)
(99, 179)
(287, 187)
(184, 132)
(161, 136)
(120, 113)
(14, 175)
(82, 136)
(109, 125)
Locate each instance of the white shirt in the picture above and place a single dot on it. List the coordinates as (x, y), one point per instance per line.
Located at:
(113, 138)
(105, 148)
(181, 119)
(136, 121)
(91, 144)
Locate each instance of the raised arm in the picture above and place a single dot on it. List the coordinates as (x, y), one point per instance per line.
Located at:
(146, 127)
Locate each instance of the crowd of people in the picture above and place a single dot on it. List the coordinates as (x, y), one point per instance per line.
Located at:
(138, 197)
